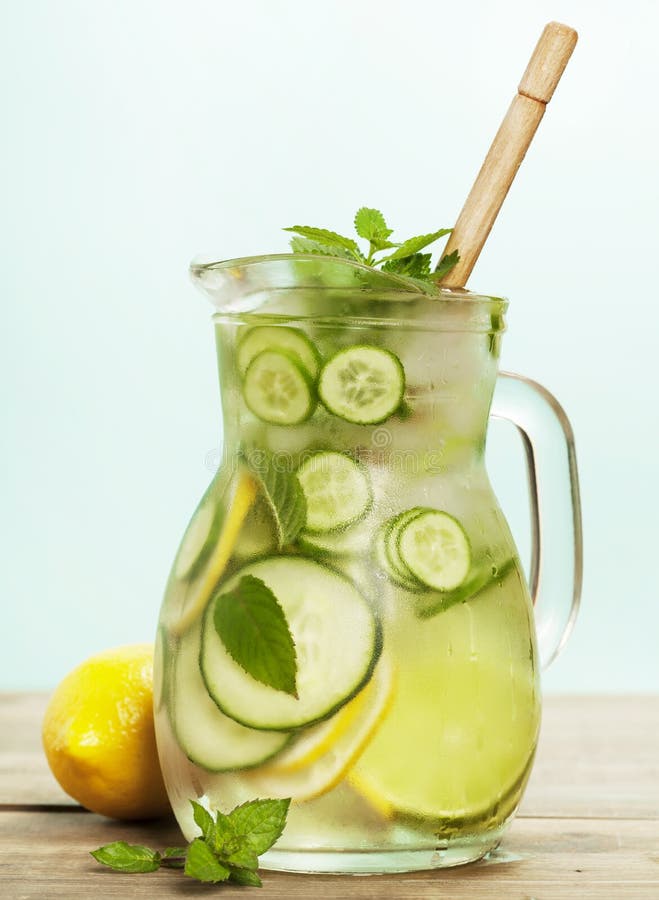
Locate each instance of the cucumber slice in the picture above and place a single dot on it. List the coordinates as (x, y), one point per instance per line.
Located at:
(337, 490)
(278, 389)
(362, 384)
(208, 737)
(337, 640)
(481, 579)
(433, 546)
(382, 558)
(278, 337)
(391, 536)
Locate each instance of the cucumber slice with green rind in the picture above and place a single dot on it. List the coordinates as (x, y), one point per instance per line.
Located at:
(337, 490)
(392, 533)
(382, 560)
(277, 337)
(433, 546)
(278, 389)
(362, 384)
(207, 737)
(486, 576)
(337, 640)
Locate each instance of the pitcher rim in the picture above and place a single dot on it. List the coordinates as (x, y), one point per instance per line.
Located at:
(199, 264)
(388, 286)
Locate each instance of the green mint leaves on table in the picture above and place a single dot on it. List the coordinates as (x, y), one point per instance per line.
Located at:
(406, 259)
(228, 849)
(252, 626)
(128, 857)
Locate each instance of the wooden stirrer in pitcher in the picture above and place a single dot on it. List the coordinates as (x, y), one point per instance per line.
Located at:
(508, 149)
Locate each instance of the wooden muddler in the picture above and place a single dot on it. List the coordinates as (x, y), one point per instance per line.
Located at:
(508, 149)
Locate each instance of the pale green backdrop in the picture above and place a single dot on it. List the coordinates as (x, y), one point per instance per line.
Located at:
(136, 134)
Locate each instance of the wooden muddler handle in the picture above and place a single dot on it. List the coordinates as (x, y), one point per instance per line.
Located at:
(508, 149)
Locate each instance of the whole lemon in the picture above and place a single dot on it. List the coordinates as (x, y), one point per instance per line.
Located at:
(99, 737)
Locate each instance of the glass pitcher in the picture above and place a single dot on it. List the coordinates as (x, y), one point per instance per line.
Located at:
(347, 623)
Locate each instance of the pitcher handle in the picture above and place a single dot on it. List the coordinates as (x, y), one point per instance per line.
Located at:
(556, 572)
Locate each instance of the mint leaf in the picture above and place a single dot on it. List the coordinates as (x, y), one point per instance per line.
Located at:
(370, 224)
(224, 839)
(202, 864)
(252, 626)
(284, 494)
(381, 244)
(217, 832)
(204, 820)
(242, 858)
(329, 238)
(127, 857)
(416, 266)
(260, 822)
(306, 245)
(445, 265)
(414, 244)
(245, 877)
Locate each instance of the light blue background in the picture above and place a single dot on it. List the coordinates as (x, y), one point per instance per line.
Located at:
(137, 134)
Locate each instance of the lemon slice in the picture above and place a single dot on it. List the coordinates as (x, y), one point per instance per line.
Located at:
(198, 593)
(316, 741)
(450, 748)
(323, 754)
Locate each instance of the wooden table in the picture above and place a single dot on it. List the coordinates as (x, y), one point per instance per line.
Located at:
(588, 827)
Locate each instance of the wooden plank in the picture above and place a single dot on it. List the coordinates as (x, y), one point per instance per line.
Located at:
(598, 756)
(45, 854)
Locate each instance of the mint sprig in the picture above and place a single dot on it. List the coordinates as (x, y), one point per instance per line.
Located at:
(406, 260)
(252, 626)
(227, 850)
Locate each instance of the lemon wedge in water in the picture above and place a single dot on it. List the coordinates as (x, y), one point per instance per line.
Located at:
(453, 751)
(198, 592)
(323, 754)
